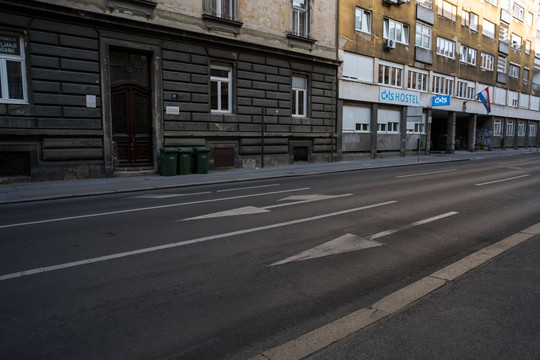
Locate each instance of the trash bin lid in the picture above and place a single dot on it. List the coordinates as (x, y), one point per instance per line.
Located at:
(201, 149)
(185, 150)
(168, 149)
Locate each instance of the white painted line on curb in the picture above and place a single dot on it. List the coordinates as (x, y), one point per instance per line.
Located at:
(426, 173)
(147, 208)
(321, 338)
(187, 242)
(502, 180)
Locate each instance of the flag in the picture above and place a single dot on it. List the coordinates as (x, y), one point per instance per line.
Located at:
(484, 97)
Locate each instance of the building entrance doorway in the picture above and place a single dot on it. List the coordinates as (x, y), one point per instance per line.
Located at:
(131, 96)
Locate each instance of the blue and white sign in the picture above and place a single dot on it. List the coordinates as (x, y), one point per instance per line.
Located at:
(398, 97)
(442, 100)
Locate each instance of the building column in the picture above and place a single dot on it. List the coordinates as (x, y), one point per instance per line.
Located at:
(429, 120)
(403, 132)
(451, 133)
(472, 133)
(374, 128)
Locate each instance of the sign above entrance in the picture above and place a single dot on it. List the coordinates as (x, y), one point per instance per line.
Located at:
(398, 97)
(442, 100)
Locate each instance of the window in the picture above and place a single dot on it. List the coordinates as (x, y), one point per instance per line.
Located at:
(526, 73)
(299, 96)
(497, 128)
(391, 75)
(527, 47)
(446, 47)
(521, 128)
(488, 29)
(426, 3)
(468, 55)
(492, 2)
(443, 85)
(362, 20)
(518, 12)
(300, 18)
(418, 80)
(12, 69)
(396, 31)
(487, 61)
(532, 130)
(423, 36)
(501, 64)
(470, 20)
(220, 88)
(515, 41)
(221, 8)
(388, 121)
(510, 128)
(530, 18)
(416, 125)
(465, 89)
(513, 71)
(356, 119)
(447, 10)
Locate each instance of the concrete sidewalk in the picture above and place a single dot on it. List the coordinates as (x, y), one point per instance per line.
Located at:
(16, 193)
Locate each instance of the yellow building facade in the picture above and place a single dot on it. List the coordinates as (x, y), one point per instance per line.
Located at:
(412, 71)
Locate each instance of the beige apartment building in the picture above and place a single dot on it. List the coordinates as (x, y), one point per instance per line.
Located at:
(93, 88)
(412, 70)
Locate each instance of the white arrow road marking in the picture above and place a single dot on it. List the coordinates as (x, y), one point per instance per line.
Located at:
(351, 242)
(342, 244)
(187, 242)
(247, 210)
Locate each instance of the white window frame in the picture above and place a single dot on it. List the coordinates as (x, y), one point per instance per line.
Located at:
(521, 129)
(362, 20)
(492, 2)
(532, 129)
(465, 89)
(488, 28)
(447, 10)
(423, 34)
(222, 8)
(518, 12)
(426, 3)
(351, 115)
(487, 61)
(470, 20)
(418, 80)
(510, 128)
(501, 64)
(467, 55)
(300, 14)
(497, 128)
(514, 70)
(299, 87)
(390, 74)
(416, 127)
(219, 80)
(446, 48)
(515, 41)
(4, 80)
(530, 19)
(442, 85)
(395, 30)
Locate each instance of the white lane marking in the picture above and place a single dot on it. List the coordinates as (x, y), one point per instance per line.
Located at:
(187, 242)
(502, 180)
(247, 210)
(340, 245)
(248, 188)
(405, 227)
(351, 242)
(427, 173)
(165, 196)
(146, 208)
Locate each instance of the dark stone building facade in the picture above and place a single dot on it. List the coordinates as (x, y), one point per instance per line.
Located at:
(101, 95)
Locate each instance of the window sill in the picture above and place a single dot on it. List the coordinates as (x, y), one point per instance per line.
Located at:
(222, 24)
(300, 41)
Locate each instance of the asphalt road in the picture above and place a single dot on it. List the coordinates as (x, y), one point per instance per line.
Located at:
(228, 271)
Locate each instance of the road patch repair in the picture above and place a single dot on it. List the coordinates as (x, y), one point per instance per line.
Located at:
(321, 338)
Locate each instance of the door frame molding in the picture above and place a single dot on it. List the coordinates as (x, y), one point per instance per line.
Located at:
(153, 48)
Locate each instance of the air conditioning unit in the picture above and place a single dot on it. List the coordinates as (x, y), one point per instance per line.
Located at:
(389, 44)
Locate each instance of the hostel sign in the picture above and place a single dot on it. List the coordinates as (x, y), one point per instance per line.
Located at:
(398, 97)
(9, 45)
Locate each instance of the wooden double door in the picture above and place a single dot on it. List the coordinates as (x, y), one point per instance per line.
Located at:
(131, 100)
